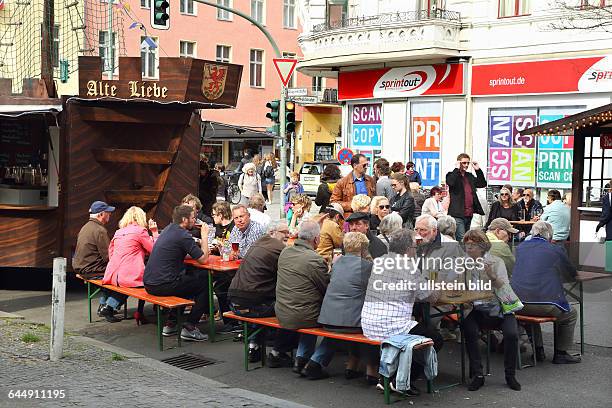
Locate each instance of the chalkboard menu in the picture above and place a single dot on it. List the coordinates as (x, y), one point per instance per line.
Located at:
(20, 141)
(15, 132)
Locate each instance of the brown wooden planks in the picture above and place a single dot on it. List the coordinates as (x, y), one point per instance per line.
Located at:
(133, 156)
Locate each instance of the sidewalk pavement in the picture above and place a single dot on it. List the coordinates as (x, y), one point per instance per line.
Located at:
(96, 374)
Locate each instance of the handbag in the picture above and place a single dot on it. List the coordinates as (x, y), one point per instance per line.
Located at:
(510, 303)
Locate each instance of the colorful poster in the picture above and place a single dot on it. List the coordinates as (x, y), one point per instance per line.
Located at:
(511, 154)
(555, 158)
(366, 126)
(426, 135)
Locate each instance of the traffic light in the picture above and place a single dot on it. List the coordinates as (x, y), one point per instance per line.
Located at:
(160, 14)
(290, 116)
(274, 114)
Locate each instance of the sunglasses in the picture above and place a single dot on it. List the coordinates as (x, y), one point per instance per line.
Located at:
(384, 207)
(526, 195)
(504, 194)
(466, 163)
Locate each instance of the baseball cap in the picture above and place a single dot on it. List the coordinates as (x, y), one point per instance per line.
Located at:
(336, 208)
(503, 224)
(356, 216)
(100, 206)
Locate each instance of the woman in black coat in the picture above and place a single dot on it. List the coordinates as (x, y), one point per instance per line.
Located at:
(331, 174)
(504, 207)
(403, 202)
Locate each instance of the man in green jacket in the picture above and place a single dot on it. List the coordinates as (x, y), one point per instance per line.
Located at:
(301, 283)
(499, 233)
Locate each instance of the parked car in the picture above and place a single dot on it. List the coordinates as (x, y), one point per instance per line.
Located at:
(310, 174)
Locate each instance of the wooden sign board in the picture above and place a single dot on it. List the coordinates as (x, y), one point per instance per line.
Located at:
(605, 141)
(210, 84)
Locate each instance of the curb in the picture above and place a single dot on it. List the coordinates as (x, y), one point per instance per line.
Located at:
(187, 376)
(6, 315)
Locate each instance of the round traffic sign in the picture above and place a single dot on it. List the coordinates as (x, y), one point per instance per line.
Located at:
(345, 155)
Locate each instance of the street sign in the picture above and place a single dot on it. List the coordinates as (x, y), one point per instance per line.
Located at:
(292, 92)
(284, 68)
(305, 99)
(345, 155)
(605, 141)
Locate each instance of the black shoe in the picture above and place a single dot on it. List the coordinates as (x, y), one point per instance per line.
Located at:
(414, 391)
(314, 371)
(100, 307)
(282, 360)
(476, 383)
(108, 313)
(539, 354)
(351, 374)
(229, 328)
(564, 358)
(513, 384)
(299, 364)
(254, 355)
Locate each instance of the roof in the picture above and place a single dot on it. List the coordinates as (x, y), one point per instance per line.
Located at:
(19, 105)
(593, 118)
(212, 131)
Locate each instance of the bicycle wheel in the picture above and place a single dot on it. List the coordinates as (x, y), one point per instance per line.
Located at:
(234, 194)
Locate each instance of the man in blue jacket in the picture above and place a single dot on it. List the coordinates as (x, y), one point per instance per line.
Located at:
(539, 272)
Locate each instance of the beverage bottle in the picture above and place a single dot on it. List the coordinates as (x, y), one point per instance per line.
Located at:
(225, 251)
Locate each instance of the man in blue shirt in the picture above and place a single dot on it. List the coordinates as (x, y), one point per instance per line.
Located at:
(558, 215)
(357, 182)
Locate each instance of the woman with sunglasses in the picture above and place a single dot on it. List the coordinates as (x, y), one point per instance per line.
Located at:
(379, 209)
(403, 202)
(504, 207)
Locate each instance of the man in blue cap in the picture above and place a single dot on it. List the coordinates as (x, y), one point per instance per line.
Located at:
(91, 254)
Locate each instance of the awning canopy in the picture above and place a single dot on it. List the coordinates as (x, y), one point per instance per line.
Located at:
(593, 118)
(15, 106)
(215, 131)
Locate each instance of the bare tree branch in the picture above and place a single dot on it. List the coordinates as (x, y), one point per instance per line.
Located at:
(591, 16)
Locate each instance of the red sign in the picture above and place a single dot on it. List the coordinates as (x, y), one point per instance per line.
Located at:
(592, 74)
(345, 155)
(402, 82)
(284, 68)
(605, 141)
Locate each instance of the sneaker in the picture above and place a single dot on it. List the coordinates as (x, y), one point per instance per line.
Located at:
(100, 307)
(169, 329)
(314, 371)
(564, 358)
(281, 360)
(230, 328)
(476, 383)
(299, 364)
(254, 355)
(513, 384)
(193, 335)
(109, 314)
(413, 391)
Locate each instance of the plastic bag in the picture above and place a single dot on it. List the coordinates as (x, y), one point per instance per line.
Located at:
(510, 303)
(600, 235)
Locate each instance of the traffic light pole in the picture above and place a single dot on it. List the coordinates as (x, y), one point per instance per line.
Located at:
(283, 129)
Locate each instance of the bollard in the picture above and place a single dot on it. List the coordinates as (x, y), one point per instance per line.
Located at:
(58, 303)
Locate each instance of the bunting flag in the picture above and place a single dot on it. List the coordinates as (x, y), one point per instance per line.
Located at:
(1, 4)
(148, 42)
(126, 7)
(132, 26)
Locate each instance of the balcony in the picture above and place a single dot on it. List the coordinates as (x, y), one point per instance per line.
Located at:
(401, 36)
(313, 96)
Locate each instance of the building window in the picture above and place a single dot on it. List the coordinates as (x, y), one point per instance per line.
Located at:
(256, 68)
(187, 7)
(223, 53)
(513, 8)
(145, 4)
(108, 54)
(336, 12)
(257, 11)
(187, 49)
(317, 84)
(291, 83)
(148, 58)
(289, 13)
(223, 14)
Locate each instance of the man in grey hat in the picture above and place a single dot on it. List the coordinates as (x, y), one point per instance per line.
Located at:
(91, 254)
(500, 233)
(360, 222)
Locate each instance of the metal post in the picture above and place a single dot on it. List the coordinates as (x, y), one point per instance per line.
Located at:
(58, 303)
(110, 40)
(283, 152)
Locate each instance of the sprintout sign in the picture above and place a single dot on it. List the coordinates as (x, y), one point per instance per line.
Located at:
(366, 130)
(439, 79)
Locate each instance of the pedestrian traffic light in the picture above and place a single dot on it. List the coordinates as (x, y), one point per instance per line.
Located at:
(274, 107)
(290, 116)
(160, 14)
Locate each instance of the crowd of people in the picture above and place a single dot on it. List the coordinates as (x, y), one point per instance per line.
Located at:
(335, 269)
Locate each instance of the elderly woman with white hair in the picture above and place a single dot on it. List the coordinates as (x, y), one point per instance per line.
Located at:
(379, 209)
(390, 223)
(249, 183)
(447, 226)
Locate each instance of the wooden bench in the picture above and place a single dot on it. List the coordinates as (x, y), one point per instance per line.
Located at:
(315, 331)
(165, 302)
(528, 322)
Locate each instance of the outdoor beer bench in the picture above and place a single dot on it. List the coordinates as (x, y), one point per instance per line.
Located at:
(165, 302)
(528, 322)
(350, 337)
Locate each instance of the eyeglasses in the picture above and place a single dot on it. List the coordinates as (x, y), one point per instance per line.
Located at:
(365, 164)
(526, 195)
(504, 194)
(384, 207)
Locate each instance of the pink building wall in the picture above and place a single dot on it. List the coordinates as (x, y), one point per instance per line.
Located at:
(207, 32)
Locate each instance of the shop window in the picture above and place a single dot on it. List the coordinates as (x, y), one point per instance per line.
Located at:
(597, 171)
(425, 141)
(366, 130)
(513, 8)
(323, 151)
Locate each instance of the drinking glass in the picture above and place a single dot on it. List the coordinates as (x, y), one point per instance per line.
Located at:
(235, 246)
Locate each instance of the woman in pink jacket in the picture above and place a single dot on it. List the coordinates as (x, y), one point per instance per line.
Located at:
(126, 253)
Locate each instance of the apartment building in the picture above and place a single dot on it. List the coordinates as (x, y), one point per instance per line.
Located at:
(428, 79)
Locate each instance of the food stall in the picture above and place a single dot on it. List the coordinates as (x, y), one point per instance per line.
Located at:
(127, 141)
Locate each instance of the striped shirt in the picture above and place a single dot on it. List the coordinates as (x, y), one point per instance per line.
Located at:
(253, 232)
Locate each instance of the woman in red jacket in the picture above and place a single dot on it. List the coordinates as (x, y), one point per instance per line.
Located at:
(126, 253)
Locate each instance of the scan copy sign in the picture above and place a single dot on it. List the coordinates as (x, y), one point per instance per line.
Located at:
(511, 154)
(366, 126)
(555, 158)
(426, 149)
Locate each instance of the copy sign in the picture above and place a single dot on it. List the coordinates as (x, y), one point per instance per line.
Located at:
(555, 158)
(366, 130)
(511, 154)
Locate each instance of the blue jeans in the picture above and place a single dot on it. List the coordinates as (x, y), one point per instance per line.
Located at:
(323, 353)
(463, 225)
